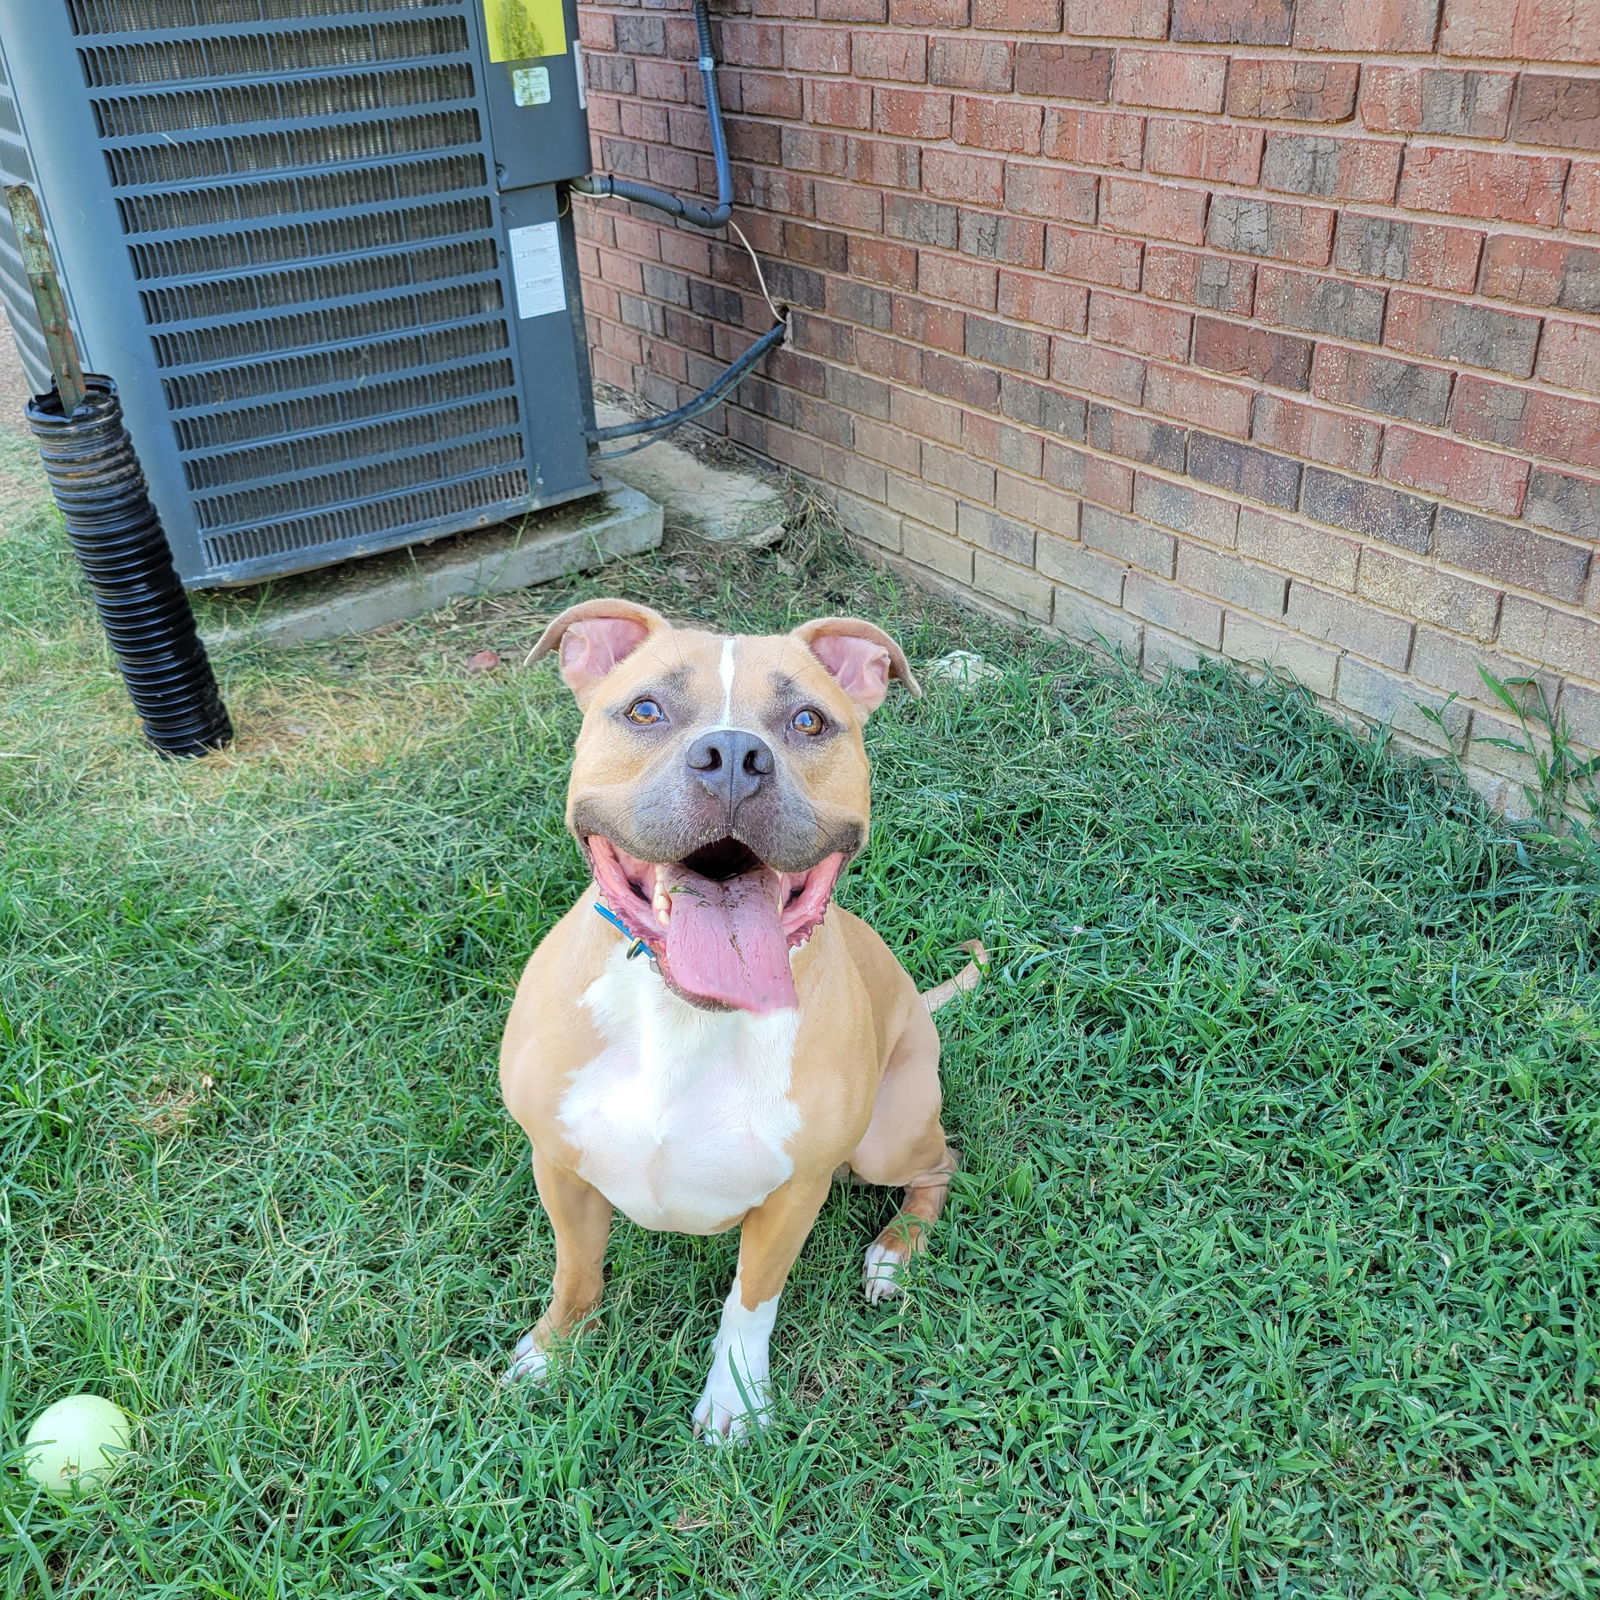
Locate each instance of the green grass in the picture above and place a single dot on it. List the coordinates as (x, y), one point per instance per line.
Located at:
(1271, 1270)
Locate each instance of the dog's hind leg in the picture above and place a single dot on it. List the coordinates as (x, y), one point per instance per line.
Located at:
(921, 1202)
(904, 1147)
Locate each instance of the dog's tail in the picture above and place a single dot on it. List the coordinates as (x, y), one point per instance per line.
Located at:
(969, 977)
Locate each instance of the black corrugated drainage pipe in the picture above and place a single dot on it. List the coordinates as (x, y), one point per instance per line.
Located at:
(116, 535)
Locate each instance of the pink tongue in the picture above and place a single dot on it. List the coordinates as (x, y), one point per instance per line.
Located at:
(725, 941)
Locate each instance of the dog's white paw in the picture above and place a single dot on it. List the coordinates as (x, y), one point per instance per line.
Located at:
(737, 1395)
(529, 1364)
(727, 1410)
(879, 1273)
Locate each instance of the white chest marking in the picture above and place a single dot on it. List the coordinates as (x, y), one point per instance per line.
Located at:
(684, 1118)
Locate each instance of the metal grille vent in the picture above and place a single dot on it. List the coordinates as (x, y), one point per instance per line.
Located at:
(273, 197)
(324, 287)
(286, 102)
(235, 340)
(331, 368)
(325, 411)
(233, 252)
(296, 147)
(18, 167)
(262, 54)
(351, 524)
(340, 488)
(327, 449)
(232, 297)
(127, 16)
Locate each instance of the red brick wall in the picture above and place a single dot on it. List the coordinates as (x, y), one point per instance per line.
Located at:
(1268, 328)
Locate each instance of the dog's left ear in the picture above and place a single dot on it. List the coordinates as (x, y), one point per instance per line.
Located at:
(862, 657)
(593, 637)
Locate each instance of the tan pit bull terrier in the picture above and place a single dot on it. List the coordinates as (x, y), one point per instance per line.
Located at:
(719, 788)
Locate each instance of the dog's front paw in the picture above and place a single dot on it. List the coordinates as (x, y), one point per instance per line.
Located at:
(729, 1409)
(880, 1271)
(529, 1364)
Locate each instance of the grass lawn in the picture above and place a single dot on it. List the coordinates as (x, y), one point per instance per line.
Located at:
(1272, 1269)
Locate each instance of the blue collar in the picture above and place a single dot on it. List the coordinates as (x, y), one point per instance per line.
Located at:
(639, 946)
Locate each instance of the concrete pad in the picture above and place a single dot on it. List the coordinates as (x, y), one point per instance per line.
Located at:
(359, 596)
(721, 504)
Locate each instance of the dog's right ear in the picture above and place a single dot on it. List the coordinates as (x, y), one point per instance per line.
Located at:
(592, 638)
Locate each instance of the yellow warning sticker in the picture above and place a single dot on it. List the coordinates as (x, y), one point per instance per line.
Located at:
(520, 30)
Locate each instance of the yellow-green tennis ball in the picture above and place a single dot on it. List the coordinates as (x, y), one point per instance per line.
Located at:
(73, 1445)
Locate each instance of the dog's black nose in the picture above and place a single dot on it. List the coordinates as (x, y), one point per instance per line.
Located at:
(732, 764)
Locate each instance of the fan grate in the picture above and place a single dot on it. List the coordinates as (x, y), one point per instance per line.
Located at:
(382, 523)
(335, 489)
(311, 452)
(138, 16)
(327, 369)
(176, 209)
(258, 55)
(305, 195)
(294, 100)
(135, 165)
(14, 291)
(327, 411)
(305, 241)
(233, 297)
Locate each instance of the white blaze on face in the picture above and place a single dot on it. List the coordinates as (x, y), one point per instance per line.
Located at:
(725, 671)
(737, 1391)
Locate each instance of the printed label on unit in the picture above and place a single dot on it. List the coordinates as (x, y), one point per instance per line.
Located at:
(531, 85)
(536, 267)
(523, 30)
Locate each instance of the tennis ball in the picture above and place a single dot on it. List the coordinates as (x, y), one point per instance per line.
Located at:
(70, 1447)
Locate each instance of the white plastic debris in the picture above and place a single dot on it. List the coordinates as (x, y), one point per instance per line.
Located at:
(963, 668)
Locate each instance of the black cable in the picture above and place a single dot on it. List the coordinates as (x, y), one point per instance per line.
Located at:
(699, 216)
(657, 427)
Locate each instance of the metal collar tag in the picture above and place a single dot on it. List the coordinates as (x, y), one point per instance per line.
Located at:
(639, 946)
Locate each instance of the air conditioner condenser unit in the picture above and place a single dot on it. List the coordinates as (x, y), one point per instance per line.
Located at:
(320, 245)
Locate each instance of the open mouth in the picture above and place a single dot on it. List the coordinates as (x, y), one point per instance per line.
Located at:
(721, 922)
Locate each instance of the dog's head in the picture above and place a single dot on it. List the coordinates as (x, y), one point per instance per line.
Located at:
(720, 784)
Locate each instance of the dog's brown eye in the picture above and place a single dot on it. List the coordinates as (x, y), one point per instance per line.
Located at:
(808, 722)
(644, 712)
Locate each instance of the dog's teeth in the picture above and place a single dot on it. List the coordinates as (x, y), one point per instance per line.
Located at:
(661, 901)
